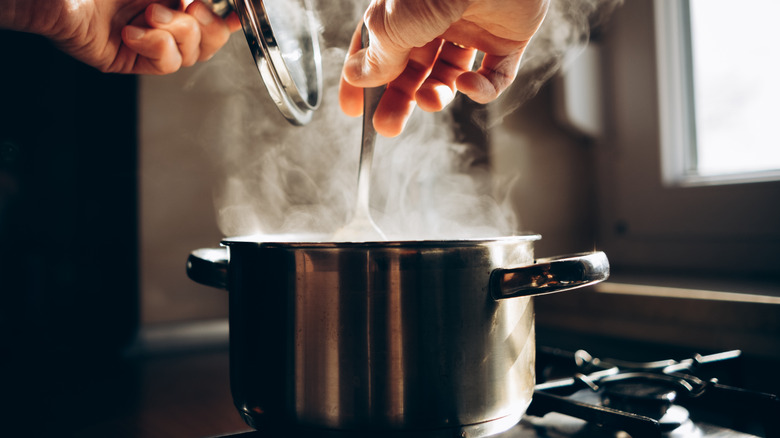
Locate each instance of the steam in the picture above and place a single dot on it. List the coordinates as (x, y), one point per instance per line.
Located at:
(281, 179)
(565, 32)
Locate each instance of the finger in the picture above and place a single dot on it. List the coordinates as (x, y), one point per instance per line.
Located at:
(184, 28)
(439, 88)
(351, 96)
(398, 102)
(157, 51)
(395, 29)
(233, 22)
(494, 76)
(375, 65)
(214, 31)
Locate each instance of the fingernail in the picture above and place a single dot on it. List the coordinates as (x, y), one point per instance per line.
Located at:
(134, 33)
(161, 14)
(203, 15)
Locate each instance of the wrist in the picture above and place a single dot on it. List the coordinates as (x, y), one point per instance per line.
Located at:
(32, 16)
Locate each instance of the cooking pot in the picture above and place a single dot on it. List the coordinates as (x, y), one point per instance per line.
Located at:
(434, 338)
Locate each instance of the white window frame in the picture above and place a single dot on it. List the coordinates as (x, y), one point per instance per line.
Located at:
(677, 115)
(644, 221)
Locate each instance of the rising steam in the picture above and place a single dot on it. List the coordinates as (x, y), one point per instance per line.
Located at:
(565, 32)
(426, 185)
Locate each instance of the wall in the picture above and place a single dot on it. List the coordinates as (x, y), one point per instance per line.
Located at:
(176, 187)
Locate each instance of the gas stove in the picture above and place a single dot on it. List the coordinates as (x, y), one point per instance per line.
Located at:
(578, 395)
(581, 395)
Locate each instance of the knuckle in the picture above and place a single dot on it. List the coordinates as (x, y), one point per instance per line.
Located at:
(169, 67)
(189, 58)
(169, 59)
(211, 43)
(187, 29)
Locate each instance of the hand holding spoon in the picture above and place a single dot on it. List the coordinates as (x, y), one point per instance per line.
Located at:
(362, 227)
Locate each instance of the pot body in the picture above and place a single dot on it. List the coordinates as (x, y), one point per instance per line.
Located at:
(378, 336)
(417, 338)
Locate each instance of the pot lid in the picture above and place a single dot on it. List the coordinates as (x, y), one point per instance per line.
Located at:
(282, 35)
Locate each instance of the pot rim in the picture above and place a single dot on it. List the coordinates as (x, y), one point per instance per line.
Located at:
(318, 241)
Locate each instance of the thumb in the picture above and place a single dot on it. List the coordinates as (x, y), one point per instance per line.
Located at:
(375, 65)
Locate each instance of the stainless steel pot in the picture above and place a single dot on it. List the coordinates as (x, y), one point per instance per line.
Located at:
(432, 337)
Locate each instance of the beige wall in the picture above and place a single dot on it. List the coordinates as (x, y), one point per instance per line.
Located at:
(176, 189)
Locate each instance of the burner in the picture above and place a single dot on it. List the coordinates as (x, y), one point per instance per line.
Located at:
(676, 423)
(639, 397)
(647, 399)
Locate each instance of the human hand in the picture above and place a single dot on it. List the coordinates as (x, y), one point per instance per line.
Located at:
(130, 36)
(424, 51)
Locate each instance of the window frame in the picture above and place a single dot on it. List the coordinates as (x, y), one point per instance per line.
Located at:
(646, 222)
(676, 92)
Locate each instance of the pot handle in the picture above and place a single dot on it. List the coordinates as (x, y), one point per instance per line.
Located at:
(209, 266)
(555, 274)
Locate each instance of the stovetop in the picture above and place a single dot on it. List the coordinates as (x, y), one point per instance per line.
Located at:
(556, 425)
(579, 395)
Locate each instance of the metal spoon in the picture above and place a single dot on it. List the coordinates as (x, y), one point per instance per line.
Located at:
(362, 227)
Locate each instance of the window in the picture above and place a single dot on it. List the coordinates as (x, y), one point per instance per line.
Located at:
(650, 216)
(685, 238)
(717, 68)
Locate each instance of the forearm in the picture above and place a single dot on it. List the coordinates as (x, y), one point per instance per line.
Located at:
(33, 16)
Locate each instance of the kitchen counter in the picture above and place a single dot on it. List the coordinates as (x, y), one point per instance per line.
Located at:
(158, 390)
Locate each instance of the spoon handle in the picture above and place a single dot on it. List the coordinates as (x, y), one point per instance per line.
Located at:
(371, 97)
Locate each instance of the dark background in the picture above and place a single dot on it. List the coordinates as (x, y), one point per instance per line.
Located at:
(68, 220)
